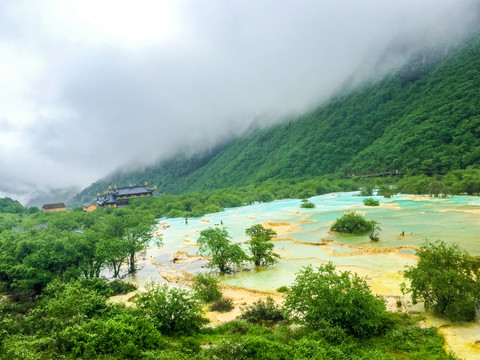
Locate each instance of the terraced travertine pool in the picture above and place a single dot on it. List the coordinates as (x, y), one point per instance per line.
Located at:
(304, 238)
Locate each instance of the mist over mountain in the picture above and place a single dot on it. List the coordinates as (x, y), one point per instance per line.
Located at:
(90, 87)
(424, 118)
(52, 196)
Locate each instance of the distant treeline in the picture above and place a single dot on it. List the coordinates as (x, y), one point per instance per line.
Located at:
(197, 204)
(200, 203)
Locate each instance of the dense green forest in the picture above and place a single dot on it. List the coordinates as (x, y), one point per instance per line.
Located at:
(425, 118)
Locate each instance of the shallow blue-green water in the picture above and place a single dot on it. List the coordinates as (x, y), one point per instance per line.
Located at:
(454, 219)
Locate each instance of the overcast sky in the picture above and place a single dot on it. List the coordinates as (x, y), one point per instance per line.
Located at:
(89, 85)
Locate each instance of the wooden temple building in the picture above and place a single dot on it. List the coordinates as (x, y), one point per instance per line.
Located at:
(118, 197)
(54, 207)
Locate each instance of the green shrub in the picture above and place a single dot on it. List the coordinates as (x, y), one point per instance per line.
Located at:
(352, 223)
(222, 305)
(175, 213)
(119, 287)
(282, 289)
(373, 235)
(98, 284)
(68, 304)
(189, 345)
(206, 287)
(307, 204)
(234, 327)
(366, 191)
(385, 191)
(172, 310)
(249, 348)
(446, 279)
(340, 299)
(371, 202)
(124, 336)
(262, 312)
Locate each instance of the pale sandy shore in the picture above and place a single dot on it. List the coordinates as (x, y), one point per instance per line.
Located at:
(281, 228)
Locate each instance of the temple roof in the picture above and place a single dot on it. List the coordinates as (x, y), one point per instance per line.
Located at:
(123, 194)
(134, 190)
(54, 206)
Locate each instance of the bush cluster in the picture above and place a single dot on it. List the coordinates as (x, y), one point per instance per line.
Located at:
(205, 286)
(222, 305)
(262, 312)
(352, 223)
(371, 202)
(307, 204)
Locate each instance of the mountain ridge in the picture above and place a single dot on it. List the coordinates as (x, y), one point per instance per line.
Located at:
(425, 118)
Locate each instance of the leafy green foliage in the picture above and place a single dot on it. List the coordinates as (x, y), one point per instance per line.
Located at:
(385, 191)
(371, 202)
(366, 191)
(10, 206)
(67, 304)
(205, 286)
(119, 287)
(171, 309)
(246, 341)
(260, 245)
(282, 289)
(447, 279)
(70, 245)
(117, 332)
(307, 204)
(215, 242)
(124, 336)
(453, 183)
(375, 231)
(222, 305)
(352, 223)
(324, 297)
(262, 312)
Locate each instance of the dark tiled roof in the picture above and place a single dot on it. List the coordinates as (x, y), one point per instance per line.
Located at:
(134, 190)
(121, 196)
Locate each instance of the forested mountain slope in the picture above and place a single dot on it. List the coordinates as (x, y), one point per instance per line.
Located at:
(425, 118)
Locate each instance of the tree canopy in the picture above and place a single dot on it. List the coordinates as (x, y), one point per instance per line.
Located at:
(260, 245)
(446, 279)
(353, 223)
(215, 243)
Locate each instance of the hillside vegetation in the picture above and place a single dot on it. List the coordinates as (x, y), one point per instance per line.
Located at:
(426, 118)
